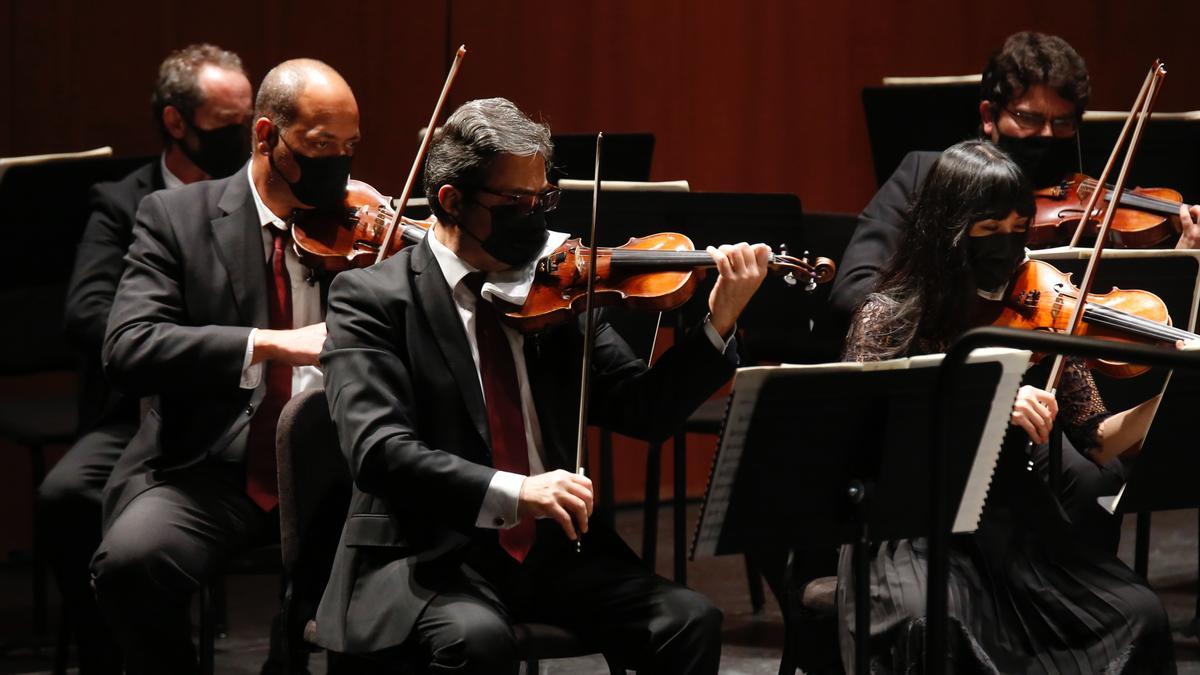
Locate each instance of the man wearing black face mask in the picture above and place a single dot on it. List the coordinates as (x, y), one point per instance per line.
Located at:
(217, 319)
(204, 84)
(459, 431)
(1034, 92)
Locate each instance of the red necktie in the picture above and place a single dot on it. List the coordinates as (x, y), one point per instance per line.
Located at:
(261, 477)
(502, 397)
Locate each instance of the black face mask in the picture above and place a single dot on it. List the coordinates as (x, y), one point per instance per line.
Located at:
(516, 237)
(1045, 160)
(994, 258)
(322, 182)
(219, 152)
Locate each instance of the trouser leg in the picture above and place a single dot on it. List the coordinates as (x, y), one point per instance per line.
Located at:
(69, 518)
(167, 542)
(463, 629)
(607, 595)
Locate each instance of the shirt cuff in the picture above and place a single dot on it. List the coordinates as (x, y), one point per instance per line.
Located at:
(251, 372)
(719, 343)
(499, 510)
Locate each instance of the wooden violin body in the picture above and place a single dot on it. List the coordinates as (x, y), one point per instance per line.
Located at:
(335, 240)
(656, 273)
(1145, 218)
(1041, 297)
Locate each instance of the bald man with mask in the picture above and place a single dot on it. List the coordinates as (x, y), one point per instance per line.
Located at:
(217, 321)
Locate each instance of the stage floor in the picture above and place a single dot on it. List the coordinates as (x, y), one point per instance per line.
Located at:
(752, 642)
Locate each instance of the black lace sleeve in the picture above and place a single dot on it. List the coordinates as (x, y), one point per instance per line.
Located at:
(1080, 408)
(863, 341)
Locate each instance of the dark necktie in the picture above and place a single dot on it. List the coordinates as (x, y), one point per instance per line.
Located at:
(261, 478)
(502, 397)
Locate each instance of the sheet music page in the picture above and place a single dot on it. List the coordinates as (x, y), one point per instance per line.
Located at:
(749, 382)
(1013, 364)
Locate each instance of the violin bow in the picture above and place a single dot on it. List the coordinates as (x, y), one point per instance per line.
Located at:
(1143, 105)
(402, 202)
(589, 330)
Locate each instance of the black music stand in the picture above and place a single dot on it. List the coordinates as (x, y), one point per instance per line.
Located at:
(901, 119)
(831, 454)
(1175, 277)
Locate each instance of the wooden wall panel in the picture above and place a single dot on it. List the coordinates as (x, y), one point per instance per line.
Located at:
(94, 87)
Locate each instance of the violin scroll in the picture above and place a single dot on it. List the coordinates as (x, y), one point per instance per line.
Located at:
(814, 271)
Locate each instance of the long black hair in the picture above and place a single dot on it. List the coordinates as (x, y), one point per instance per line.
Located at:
(926, 292)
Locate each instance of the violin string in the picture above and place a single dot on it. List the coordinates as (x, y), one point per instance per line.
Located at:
(1117, 319)
(1133, 198)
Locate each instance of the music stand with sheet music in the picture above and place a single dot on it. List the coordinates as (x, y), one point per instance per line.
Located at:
(823, 455)
(1173, 275)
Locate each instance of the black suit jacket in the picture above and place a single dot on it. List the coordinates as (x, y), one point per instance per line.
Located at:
(194, 286)
(99, 262)
(405, 396)
(877, 235)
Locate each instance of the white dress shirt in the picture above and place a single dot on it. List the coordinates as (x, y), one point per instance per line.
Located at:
(306, 302)
(170, 180)
(499, 508)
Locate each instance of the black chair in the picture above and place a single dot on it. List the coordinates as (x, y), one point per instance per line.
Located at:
(262, 560)
(314, 495)
(39, 403)
(43, 210)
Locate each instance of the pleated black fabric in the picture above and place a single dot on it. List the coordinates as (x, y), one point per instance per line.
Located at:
(1027, 594)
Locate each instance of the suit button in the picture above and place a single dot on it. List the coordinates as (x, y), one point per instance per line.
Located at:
(249, 410)
(498, 522)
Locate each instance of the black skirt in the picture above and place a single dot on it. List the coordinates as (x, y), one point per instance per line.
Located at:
(1027, 594)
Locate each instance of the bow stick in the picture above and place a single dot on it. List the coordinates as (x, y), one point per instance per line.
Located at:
(402, 202)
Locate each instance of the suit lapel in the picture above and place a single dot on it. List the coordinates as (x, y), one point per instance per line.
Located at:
(433, 297)
(239, 246)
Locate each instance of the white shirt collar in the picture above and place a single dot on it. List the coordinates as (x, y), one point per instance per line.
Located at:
(511, 286)
(265, 216)
(453, 267)
(170, 180)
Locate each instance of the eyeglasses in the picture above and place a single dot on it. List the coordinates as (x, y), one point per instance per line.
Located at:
(1059, 126)
(543, 202)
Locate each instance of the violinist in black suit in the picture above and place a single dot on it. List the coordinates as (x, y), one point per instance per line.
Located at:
(217, 320)
(202, 102)
(459, 431)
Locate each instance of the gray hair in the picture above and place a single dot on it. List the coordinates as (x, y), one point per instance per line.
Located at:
(473, 137)
(178, 83)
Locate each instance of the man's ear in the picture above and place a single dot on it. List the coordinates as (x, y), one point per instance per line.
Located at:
(174, 123)
(987, 118)
(451, 201)
(265, 135)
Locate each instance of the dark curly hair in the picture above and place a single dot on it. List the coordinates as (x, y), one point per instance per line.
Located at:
(923, 299)
(1027, 59)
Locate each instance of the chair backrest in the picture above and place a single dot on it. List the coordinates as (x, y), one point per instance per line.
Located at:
(314, 486)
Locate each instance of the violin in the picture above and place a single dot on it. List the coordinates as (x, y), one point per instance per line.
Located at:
(335, 240)
(1040, 297)
(655, 273)
(1145, 217)
(659, 272)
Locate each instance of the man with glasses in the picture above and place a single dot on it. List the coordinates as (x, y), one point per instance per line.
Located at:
(460, 431)
(1035, 89)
